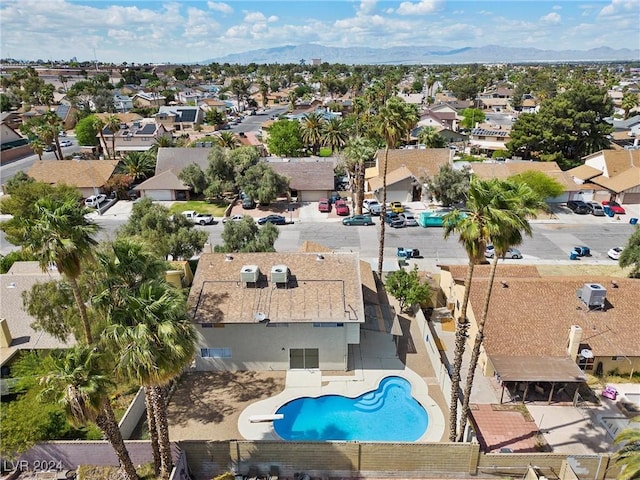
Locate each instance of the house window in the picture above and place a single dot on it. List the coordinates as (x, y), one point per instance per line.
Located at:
(207, 325)
(215, 352)
(304, 358)
(585, 364)
(327, 324)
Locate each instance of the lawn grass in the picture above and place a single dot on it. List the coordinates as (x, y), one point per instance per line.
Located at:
(215, 209)
(325, 152)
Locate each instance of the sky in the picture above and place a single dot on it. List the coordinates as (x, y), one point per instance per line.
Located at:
(190, 31)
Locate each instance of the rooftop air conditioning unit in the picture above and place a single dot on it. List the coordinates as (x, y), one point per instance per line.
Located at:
(279, 274)
(593, 295)
(249, 274)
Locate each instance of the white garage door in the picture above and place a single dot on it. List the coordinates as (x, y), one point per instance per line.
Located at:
(161, 195)
(312, 195)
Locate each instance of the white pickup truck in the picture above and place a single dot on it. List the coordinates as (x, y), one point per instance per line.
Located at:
(199, 218)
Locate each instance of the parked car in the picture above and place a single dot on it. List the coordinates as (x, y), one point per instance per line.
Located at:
(397, 222)
(358, 220)
(234, 218)
(65, 143)
(396, 207)
(579, 207)
(490, 252)
(614, 253)
(199, 218)
(390, 217)
(94, 201)
(248, 203)
(614, 206)
(409, 219)
(324, 205)
(596, 209)
(48, 148)
(342, 208)
(372, 206)
(273, 218)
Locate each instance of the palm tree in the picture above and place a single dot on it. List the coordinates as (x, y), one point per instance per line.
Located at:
(358, 151)
(80, 383)
(148, 326)
(474, 236)
(227, 140)
(430, 138)
(37, 146)
(391, 125)
(138, 165)
(60, 234)
(264, 92)
(334, 134)
(506, 219)
(53, 124)
(311, 129)
(156, 342)
(98, 124)
(628, 456)
(113, 124)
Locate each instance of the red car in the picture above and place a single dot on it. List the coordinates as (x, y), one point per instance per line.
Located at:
(614, 206)
(324, 205)
(342, 208)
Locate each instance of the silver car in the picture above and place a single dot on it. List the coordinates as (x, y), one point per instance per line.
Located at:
(596, 209)
(511, 252)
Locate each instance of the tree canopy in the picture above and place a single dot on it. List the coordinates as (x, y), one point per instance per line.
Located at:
(630, 256)
(86, 131)
(449, 186)
(285, 138)
(407, 287)
(542, 184)
(246, 236)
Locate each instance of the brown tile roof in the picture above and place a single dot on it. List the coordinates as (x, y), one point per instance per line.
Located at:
(326, 290)
(459, 272)
(619, 161)
(176, 158)
(167, 180)
(626, 180)
(420, 161)
(584, 172)
(79, 173)
(307, 175)
(507, 169)
(123, 117)
(532, 316)
(394, 176)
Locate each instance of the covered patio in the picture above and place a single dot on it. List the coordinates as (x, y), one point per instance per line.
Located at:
(550, 379)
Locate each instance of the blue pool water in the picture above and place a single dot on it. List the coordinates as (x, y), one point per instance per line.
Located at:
(389, 413)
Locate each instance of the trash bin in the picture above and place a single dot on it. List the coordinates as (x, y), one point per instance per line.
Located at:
(608, 212)
(633, 221)
(573, 255)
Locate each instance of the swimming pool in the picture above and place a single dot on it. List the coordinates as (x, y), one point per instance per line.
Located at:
(389, 413)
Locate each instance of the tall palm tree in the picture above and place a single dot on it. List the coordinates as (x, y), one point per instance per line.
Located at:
(60, 234)
(156, 342)
(264, 92)
(53, 123)
(138, 165)
(80, 383)
(628, 456)
(334, 134)
(311, 129)
(37, 146)
(113, 124)
(473, 232)
(358, 151)
(148, 326)
(508, 214)
(392, 124)
(98, 124)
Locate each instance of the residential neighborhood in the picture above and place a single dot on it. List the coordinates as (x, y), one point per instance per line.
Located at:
(432, 247)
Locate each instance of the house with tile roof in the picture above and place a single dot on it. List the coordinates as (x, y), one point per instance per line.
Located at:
(549, 330)
(503, 170)
(88, 176)
(611, 175)
(179, 117)
(277, 311)
(310, 179)
(148, 99)
(134, 136)
(488, 140)
(406, 167)
(166, 185)
(12, 144)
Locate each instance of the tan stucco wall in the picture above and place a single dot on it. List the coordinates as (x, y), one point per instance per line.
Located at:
(259, 347)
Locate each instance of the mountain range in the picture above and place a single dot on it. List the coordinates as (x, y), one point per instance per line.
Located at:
(423, 55)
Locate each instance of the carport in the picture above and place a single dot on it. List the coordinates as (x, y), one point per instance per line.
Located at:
(524, 372)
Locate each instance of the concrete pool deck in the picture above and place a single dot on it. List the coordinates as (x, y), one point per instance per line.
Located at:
(374, 359)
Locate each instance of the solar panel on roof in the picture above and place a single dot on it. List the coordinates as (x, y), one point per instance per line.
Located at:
(187, 115)
(62, 111)
(148, 129)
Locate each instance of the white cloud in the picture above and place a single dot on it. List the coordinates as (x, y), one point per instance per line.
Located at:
(423, 7)
(220, 7)
(272, 19)
(617, 7)
(556, 7)
(254, 17)
(367, 7)
(551, 18)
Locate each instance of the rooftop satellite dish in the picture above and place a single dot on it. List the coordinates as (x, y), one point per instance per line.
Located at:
(586, 353)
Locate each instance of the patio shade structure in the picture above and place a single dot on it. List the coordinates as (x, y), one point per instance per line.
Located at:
(536, 369)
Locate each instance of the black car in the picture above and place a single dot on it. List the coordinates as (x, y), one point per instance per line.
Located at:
(248, 203)
(579, 207)
(275, 219)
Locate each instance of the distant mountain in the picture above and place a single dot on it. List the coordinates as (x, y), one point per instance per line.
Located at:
(423, 55)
